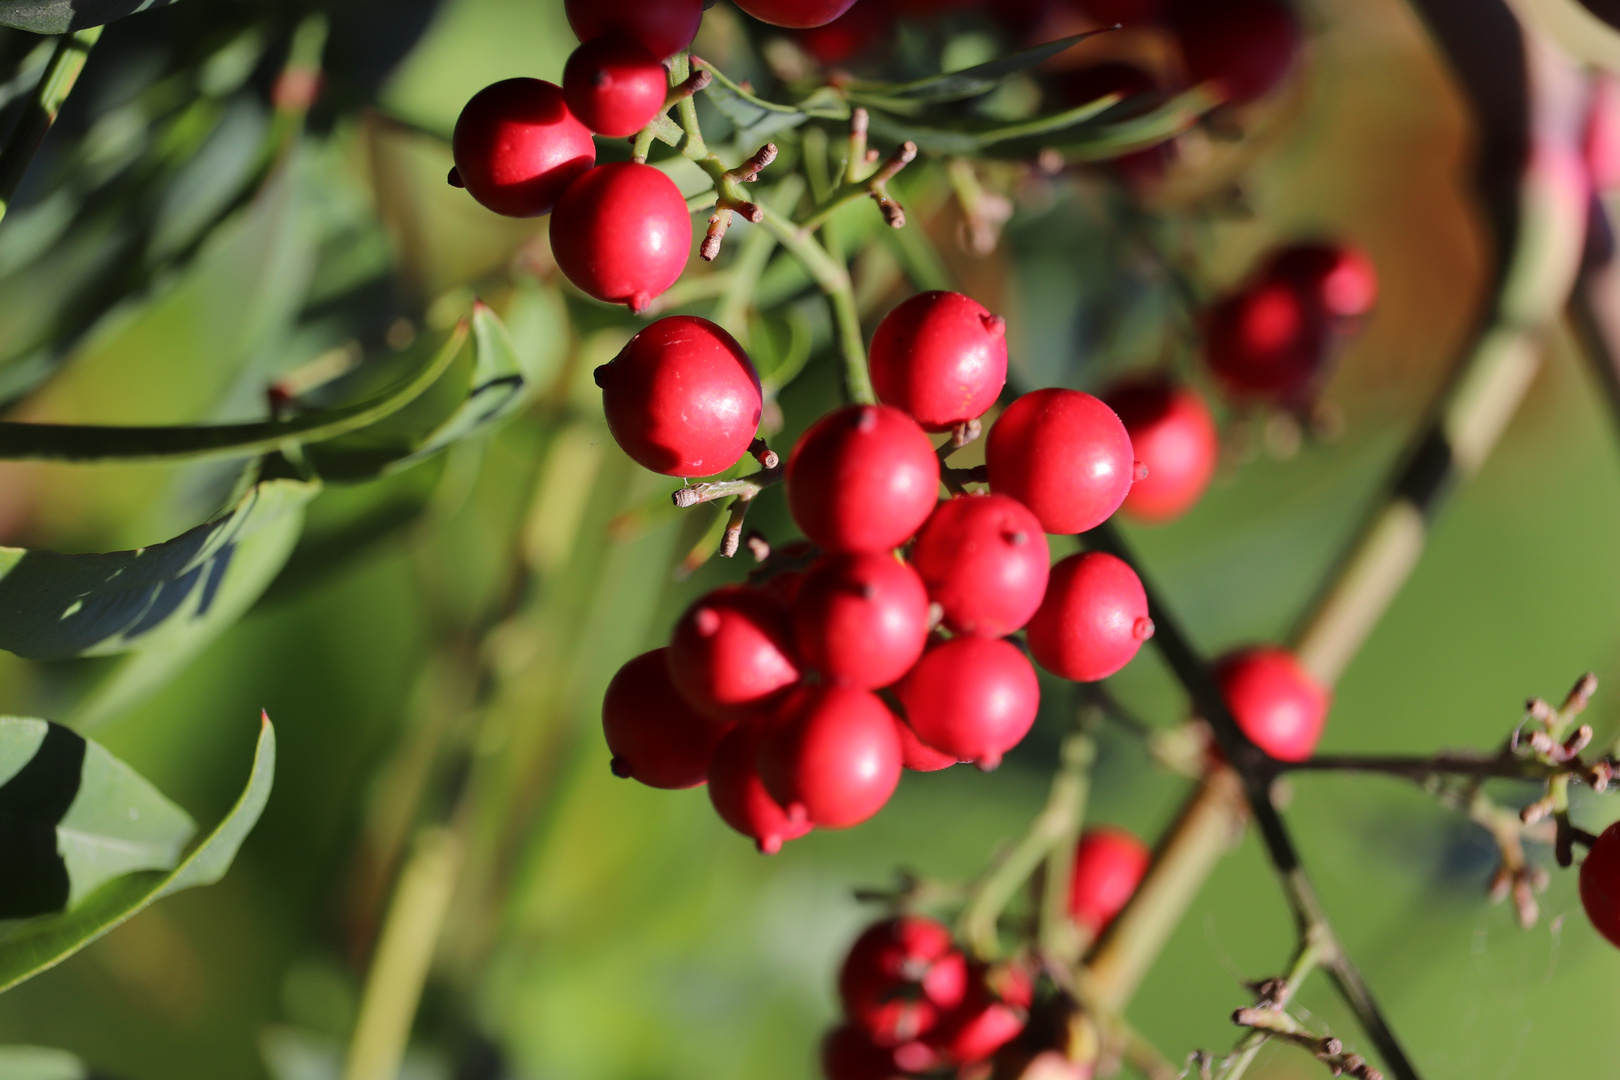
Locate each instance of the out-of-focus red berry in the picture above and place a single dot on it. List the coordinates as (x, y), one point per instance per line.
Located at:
(1093, 620)
(517, 148)
(941, 358)
(973, 698)
(663, 27)
(861, 619)
(655, 736)
(832, 756)
(1267, 341)
(985, 561)
(848, 1053)
(615, 86)
(1600, 884)
(993, 1013)
(900, 976)
(1338, 278)
(1279, 705)
(622, 233)
(1064, 455)
(1109, 864)
(739, 795)
(1173, 435)
(796, 14)
(1124, 12)
(731, 655)
(849, 35)
(1246, 46)
(863, 478)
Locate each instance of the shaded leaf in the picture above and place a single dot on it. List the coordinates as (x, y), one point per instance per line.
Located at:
(757, 118)
(43, 943)
(60, 16)
(969, 82)
(39, 1063)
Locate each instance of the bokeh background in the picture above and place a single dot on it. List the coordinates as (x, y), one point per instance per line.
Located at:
(605, 931)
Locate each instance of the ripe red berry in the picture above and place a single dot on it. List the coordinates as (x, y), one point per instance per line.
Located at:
(861, 619)
(1093, 620)
(1174, 437)
(621, 233)
(941, 358)
(1279, 705)
(1600, 884)
(682, 398)
(655, 736)
(730, 655)
(863, 478)
(1109, 864)
(1063, 454)
(985, 561)
(848, 1053)
(797, 14)
(992, 1014)
(739, 795)
(615, 86)
(832, 755)
(517, 147)
(1247, 46)
(1126, 12)
(663, 27)
(900, 976)
(1266, 341)
(971, 697)
(1337, 278)
(917, 755)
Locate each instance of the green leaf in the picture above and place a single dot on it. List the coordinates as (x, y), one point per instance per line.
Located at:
(43, 943)
(969, 82)
(38, 1063)
(74, 817)
(60, 16)
(756, 118)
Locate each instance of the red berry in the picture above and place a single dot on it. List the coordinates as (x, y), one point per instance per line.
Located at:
(900, 975)
(730, 655)
(1600, 149)
(1600, 884)
(682, 398)
(985, 561)
(971, 697)
(993, 1013)
(834, 755)
(941, 358)
(1108, 866)
(655, 736)
(848, 1053)
(1063, 454)
(863, 478)
(615, 86)
(621, 233)
(1266, 341)
(848, 35)
(861, 620)
(740, 798)
(663, 27)
(1093, 620)
(797, 14)
(517, 147)
(1337, 278)
(1246, 46)
(1126, 12)
(1174, 437)
(1277, 703)
(917, 755)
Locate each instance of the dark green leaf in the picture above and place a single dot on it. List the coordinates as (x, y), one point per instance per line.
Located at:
(60, 16)
(43, 943)
(38, 1063)
(969, 82)
(756, 118)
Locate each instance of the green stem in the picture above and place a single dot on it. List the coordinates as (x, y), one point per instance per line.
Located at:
(54, 86)
(1314, 950)
(752, 257)
(833, 279)
(1057, 933)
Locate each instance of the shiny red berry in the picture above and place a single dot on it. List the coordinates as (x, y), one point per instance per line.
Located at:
(797, 14)
(621, 233)
(971, 697)
(1337, 278)
(941, 358)
(1063, 454)
(615, 86)
(833, 755)
(861, 619)
(739, 795)
(1279, 705)
(1174, 438)
(918, 756)
(1246, 46)
(848, 1053)
(992, 1014)
(517, 147)
(900, 976)
(1266, 341)
(1109, 864)
(682, 398)
(662, 27)
(985, 561)
(731, 655)
(863, 478)
(1093, 620)
(655, 736)
(1600, 884)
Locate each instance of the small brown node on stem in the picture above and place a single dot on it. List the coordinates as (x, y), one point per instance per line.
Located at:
(758, 546)
(762, 453)
(699, 80)
(719, 224)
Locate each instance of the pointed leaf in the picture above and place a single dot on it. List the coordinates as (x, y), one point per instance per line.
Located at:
(969, 82)
(41, 944)
(756, 118)
(60, 16)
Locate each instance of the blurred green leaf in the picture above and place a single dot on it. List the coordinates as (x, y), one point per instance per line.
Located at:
(43, 943)
(39, 1063)
(956, 85)
(757, 118)
(60, 16)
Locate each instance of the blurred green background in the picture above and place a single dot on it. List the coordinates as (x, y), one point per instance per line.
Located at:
(610, 932)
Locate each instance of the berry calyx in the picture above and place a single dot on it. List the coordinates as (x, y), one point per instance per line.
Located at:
(972, 698)
(1277, 703)
(1109, 864)
(863, 478)
(622, 233)
(1173, 435)
(1245, 46)
(663, 28)
(1600, 884)
(833, 756)
(615, 86)
(900, 976)
(796, 14)
(517, 147)
(1093, 619)
(1064, 455)
(739, 795)
(861, 620)
(992, 1014)
(731, 655)
(682, 398)
(655, 736)
(941, 358)
(985, 560)
(1338, 279)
